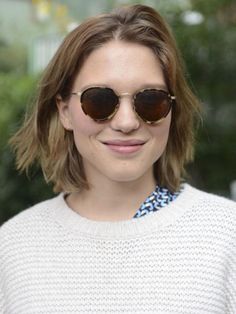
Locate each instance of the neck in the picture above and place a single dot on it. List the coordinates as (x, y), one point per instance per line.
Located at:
(111, 201)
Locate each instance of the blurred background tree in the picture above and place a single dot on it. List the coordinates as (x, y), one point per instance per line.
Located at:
(206, 34)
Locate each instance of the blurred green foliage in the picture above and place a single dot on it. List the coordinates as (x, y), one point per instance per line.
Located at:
(16, 190)
(12, 58)
(209, 53)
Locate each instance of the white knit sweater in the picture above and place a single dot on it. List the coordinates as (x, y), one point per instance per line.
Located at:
(181, 259)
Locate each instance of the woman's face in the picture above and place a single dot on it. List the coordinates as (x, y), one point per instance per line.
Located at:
(124, 148)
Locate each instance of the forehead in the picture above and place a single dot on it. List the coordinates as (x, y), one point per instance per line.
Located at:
(121, 64)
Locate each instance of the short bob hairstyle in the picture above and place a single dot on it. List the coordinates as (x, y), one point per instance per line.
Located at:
(42, 137)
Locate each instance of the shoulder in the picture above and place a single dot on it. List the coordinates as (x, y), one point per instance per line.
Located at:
(30, 221)
(211, 212)
(205, 199)
(208, 200)
(27, 237)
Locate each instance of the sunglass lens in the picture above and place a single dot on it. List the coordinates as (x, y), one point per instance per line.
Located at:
(152, 105)
(99, 102)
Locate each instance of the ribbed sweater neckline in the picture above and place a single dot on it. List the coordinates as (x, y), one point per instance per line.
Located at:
(153, 222)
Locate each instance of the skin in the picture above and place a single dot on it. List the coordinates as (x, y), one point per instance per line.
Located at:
(120, 180)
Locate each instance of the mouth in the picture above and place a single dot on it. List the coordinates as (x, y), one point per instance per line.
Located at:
(124, 146)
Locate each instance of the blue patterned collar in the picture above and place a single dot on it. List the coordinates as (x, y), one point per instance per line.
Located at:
(159, 198)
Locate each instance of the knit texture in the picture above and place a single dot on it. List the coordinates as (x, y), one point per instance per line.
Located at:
(180, 259)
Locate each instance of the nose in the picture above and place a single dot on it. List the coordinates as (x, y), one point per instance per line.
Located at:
(125, 119)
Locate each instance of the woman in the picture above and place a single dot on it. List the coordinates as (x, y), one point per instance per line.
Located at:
(112, 129)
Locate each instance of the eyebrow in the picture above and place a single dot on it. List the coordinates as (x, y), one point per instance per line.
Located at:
(152, 85)
(158, 86)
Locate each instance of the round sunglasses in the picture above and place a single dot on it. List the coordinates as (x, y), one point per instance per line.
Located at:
(101, 103)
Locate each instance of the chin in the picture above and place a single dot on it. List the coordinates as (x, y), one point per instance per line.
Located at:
(125, 176)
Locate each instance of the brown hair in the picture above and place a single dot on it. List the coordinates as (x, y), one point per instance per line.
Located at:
(43, 138)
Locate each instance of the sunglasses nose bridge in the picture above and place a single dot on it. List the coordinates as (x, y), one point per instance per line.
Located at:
(125, 118)
(131, 97)
(127, 95)
(122, 95)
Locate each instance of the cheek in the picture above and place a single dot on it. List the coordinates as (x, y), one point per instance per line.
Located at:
(82, 124)
(161, 132)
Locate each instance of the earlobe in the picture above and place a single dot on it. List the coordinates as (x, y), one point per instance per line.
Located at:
(63, 110)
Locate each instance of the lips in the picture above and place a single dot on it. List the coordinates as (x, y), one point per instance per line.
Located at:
(124, 146)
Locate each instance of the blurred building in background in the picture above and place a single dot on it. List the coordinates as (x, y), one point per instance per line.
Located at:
(42, 24)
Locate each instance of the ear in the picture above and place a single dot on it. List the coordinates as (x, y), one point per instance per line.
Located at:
(64, 114)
